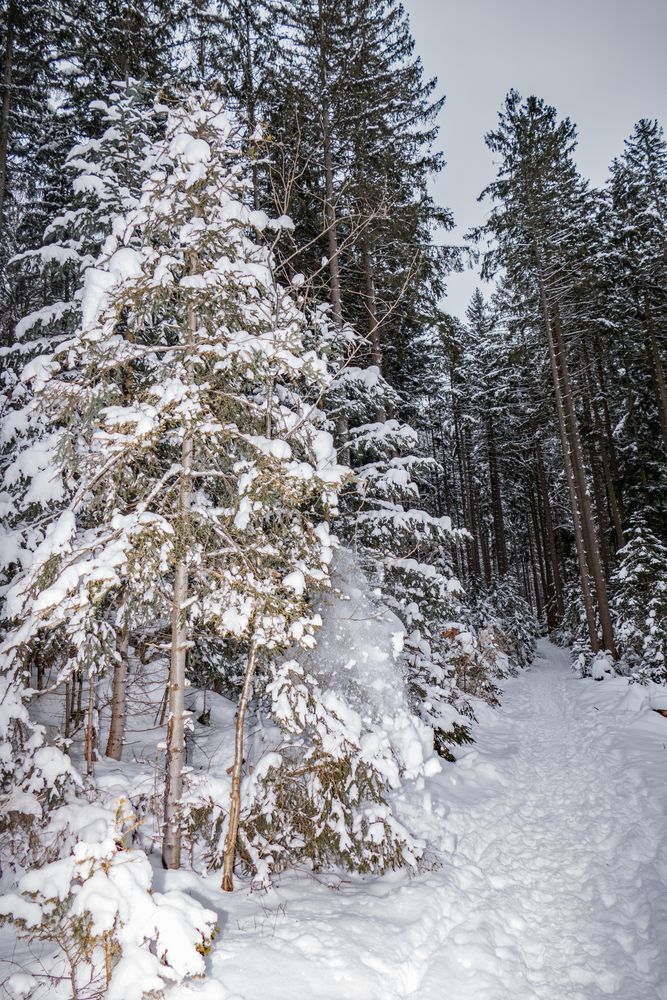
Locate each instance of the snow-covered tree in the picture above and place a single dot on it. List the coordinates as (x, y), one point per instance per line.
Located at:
(181, 415)
(405, 549)
(106, 176)
(113, 936)
(639, 603)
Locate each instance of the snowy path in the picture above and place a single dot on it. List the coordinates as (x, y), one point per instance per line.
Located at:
(555, 889)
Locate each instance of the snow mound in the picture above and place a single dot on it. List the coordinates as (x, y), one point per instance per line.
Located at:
(358, 657)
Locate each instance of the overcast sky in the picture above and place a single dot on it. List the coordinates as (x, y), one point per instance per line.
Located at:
(603, 63)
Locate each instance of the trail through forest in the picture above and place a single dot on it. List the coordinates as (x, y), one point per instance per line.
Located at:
(554, 889)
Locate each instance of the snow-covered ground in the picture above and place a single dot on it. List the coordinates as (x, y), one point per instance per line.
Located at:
(549, 883)
(544, 879)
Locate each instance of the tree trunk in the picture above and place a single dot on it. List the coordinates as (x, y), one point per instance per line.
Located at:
(496, 501)
(551, 553)
(605, 455)
(250, 97)
(600, 511)
(67, 724)
(370, 304)
(539, 602)
(543, 567)
(609, 434)
(458, 446)
(90, 741)
(527, 589)
(79, 698)
(6, 106)
(466, 498)
(569, 470)
(118, 696)
(590, 536)
(173, 785)
(486, 555)
(331, 230)
(237, 772)
(657, 371)
(436, 471)
(475, 526)
(330, 224)
(597, 480)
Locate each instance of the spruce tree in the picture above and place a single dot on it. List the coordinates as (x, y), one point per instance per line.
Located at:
(639, 604)
(541, 208)
(173, 416)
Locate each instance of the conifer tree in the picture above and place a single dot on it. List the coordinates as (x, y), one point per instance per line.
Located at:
(541, 207)
(207, 444)
(639, 603)
(638, 190)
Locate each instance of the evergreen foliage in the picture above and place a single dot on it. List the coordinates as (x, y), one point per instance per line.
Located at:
(639, 603)
(247, 457)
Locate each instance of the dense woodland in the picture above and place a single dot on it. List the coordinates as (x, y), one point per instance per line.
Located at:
(233, 400)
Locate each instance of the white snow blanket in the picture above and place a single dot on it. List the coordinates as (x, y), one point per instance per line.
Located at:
(547, 878)
(549, 883)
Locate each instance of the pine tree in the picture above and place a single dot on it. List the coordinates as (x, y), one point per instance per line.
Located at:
(29, 74)
(173, 411)
(541, 210)
(637, 227)
(639, 604)
(352, 125)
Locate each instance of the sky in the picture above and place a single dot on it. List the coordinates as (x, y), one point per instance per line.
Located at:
(602, 63)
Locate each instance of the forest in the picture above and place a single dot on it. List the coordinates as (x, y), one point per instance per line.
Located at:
(278, 530)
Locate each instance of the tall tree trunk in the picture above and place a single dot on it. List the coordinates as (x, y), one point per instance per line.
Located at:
(597, 480)
(90, 740)
(600, 511)
(569, 469)
(527, 589)
(237, 773)
(549, 536)
(331, 228)
(657, 371)
(118, 695)
(466, 499)
(590, 536)
(458, 446)
(475, 526)
(7, 69)
(76, 688)
(370, 305)
(250, 97)
(496, 501)
(173, 785)
(330, 223)
(539, 601)
(605, 453)
(484, 543)
(68, 700)
(436, 472)
(543, 566)
(603, 396)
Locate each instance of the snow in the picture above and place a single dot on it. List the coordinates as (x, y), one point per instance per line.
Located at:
(189, 149)
(161, 937)
(543, 877)
(89, 184)
(96, 286)
(125, 263)
(258, 220)
(548, 856)
(43, 317)
(295, 581)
